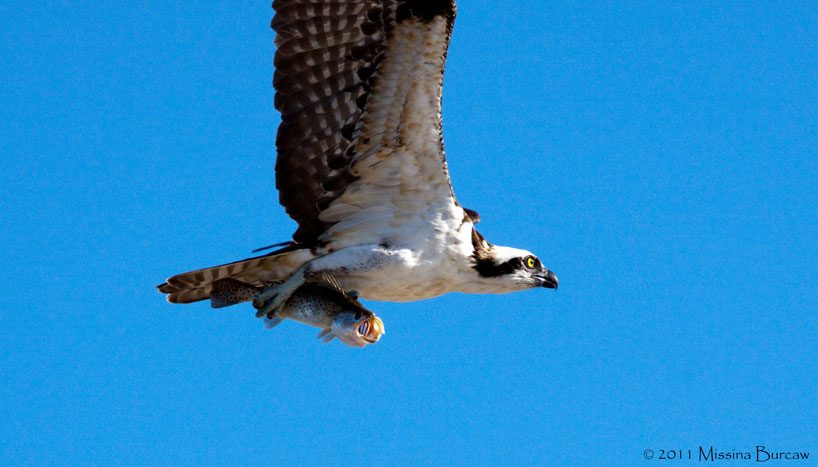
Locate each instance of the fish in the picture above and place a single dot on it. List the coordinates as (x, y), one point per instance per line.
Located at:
(321, 302)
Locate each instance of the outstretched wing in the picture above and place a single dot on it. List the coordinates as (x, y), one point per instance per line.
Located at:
(358, 84)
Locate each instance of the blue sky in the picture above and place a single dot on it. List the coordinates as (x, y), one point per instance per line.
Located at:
(660, 157)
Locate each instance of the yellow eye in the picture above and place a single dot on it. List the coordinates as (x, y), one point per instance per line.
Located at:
(530, 261)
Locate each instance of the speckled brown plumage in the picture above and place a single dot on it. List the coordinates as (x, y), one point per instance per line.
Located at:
(360, 154)
(327, 61)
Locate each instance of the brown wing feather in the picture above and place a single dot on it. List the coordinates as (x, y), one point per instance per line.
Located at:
(327, 57)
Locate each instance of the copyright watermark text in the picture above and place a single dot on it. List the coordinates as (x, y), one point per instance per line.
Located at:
(712, 454)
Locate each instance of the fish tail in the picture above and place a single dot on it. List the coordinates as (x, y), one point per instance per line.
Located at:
(228, 292)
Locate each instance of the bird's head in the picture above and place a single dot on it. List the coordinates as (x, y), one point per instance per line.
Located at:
(510, 269)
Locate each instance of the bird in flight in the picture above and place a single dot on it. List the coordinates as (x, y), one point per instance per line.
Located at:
(361, 165)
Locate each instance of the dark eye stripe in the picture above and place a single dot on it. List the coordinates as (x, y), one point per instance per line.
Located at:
(488, 268)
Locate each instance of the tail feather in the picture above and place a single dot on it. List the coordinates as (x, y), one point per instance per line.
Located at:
(197, 285)
(189, 295)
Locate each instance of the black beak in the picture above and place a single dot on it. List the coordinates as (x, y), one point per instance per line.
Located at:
(548, 280)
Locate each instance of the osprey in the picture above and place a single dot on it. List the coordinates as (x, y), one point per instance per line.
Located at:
(361, 166)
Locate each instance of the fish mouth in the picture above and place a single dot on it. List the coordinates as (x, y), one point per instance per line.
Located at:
(371, 329)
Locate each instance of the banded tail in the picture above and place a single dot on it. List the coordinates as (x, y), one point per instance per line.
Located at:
(198, 285)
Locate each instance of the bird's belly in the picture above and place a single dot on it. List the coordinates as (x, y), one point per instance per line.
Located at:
(425, 258)
(399, 283)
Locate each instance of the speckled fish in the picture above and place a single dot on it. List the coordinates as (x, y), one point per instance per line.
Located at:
(321, 303)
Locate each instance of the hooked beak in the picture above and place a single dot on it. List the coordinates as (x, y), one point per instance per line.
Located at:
(371, 329)
(548, 279)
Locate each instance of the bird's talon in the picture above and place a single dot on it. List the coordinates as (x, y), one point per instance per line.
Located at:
(270, 308)
(258, 304)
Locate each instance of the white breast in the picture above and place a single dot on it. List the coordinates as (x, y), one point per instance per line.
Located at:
(431, 259)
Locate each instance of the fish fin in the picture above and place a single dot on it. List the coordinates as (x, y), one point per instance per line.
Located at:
(330, 336)
(331, 281)
(270, 323)
(323, 333)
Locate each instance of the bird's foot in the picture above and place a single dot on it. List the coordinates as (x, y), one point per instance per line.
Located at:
(272, 298)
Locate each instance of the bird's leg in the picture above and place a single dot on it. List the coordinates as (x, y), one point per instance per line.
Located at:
(348, 261)
(270, 300)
